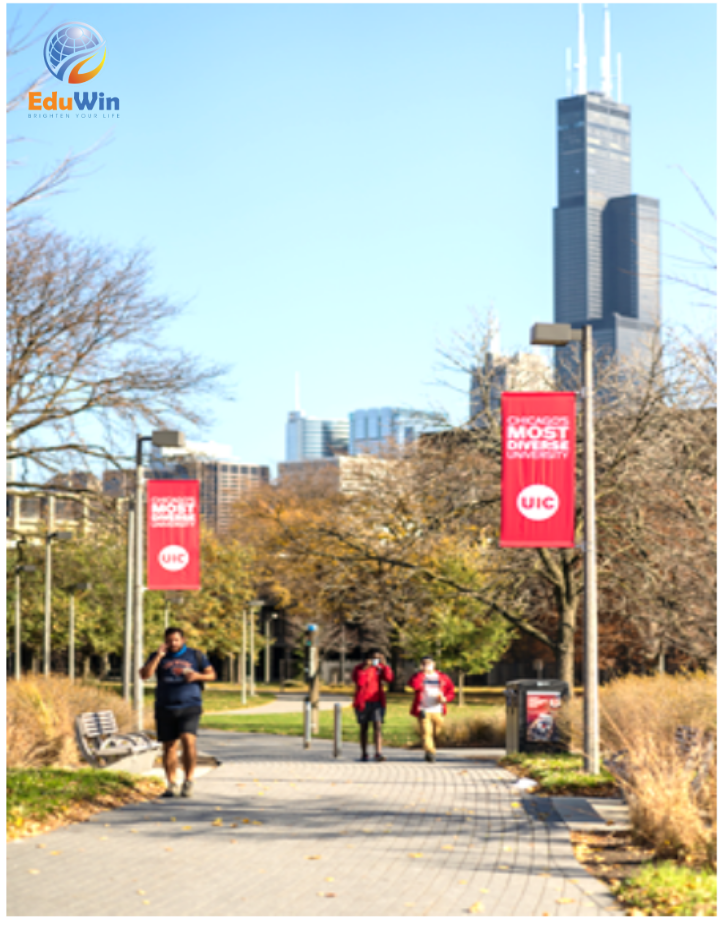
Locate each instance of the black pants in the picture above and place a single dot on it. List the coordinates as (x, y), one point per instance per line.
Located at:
(172, 723)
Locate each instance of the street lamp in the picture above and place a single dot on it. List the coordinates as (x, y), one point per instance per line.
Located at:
(49, 538)
(159, 438)
(72, 590)
(20, 568)
(561, 335)
(258, 604)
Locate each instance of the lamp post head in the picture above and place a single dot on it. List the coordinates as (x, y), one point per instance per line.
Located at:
(26, 568)
(168, 438)
(553, 334)
(59, 535)
(257, 603)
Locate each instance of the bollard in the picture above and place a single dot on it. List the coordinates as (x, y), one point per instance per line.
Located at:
(338, 730)
(306, 722)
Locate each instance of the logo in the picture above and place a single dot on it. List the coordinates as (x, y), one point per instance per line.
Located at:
(538, 502)
(69, 47)
(173, 558)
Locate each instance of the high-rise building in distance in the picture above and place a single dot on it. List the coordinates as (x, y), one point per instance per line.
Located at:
(373, 429)
(606, 240)
(311, 438)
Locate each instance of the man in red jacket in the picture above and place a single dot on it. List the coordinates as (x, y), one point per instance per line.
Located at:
(433, 691)
(369, 702)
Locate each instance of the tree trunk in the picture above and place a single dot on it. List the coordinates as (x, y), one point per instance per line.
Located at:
(461, 688)
(396, 686)
(104, 665)
(35, 662)
(565, 647)
(86, 667)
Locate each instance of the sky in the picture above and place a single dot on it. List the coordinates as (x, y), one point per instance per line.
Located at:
(334, 189)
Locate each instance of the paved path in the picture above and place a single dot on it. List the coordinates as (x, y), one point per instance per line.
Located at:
(305, 835)
(290, 703)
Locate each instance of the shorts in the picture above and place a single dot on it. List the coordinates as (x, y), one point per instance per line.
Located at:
(172, 723)
(373, 712)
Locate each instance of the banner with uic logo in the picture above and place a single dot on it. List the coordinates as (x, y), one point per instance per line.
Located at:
(173, 534)
(538, 469)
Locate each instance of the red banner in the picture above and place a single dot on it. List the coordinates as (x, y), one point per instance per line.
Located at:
(538, 469)
(173, 534)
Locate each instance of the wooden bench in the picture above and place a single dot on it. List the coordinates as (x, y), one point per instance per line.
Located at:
(102, 745)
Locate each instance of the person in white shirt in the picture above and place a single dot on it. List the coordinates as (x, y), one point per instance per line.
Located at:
(433, 691)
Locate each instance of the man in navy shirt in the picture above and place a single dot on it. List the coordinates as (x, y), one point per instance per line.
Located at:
(179, 671)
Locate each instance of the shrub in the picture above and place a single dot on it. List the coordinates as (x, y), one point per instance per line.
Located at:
(671, 807)
(40, 717)
(484, 729)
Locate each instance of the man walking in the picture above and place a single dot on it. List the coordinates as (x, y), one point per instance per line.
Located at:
(180, 670)
(433, 691)
(369, 701)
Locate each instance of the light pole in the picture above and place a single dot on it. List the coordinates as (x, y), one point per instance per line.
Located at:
(561, 335)
(20, 568)
(49, 538)
(159, 438)
(244, 658)
(256, 603)
(267, 647)
(80, 587)
(127, 633)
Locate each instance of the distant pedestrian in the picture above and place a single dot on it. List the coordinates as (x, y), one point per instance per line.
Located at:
(369, 702)
(433, 691)
(180, 671)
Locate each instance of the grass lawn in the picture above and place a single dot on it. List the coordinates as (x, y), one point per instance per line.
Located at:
(560, 775)
(399, 730)
(217, 697)
(48, 797)
(667, 889)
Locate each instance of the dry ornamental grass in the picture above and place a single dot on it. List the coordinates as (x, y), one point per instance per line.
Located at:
(40, 716)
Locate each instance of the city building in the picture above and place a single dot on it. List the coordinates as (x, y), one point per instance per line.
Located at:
(519, 372)
(606, 240)
(346, 474)
(223, 480)
(311, 438)
(373, 430)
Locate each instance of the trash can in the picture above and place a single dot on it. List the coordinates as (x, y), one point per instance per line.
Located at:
(532, 707)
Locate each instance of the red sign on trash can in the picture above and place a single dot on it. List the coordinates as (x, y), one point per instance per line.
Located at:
(173, 534)
(538, 469)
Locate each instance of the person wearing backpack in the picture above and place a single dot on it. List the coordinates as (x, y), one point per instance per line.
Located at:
(433, 691)
(181, 673)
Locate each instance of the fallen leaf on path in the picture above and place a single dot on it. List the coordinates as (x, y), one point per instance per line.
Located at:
(141, 893)
(415, 855)
(103, 838)
(246, 821)
(504, 867)
(476, 908)
(462, 882)
(41, 846)
(330, 895)
(448, 847)
(233, 825)
(409, 904)
(312, 857)
(546, 914)
(173, 819)
(33, 870)
(168, 849)
(187, 828)
(217, 822)
(564, 899)
(330, 879)
(257, 823)
(146, 902)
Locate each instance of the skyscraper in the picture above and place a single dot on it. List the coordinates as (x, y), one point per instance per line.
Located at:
(606, 240)
(311, 438)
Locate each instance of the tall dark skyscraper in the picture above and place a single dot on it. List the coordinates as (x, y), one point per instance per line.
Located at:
(606, 239)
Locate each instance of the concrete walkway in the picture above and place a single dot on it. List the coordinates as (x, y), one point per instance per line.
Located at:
(278, 831)
(284, 704)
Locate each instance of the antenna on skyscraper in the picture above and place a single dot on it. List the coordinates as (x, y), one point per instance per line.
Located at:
(619, 77)
(582, 57)
(605, 66)
(568, 72)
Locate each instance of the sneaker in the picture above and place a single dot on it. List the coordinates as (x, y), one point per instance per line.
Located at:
(187, 789)
(379, 757)
(430, 757)
(171, 792)
(364, 758)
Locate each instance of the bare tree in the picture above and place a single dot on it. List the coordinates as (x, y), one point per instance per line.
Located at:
(86, 355)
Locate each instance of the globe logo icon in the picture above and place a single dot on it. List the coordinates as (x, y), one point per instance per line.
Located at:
(69, 47)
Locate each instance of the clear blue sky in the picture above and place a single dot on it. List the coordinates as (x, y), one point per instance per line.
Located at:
(334, 187)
